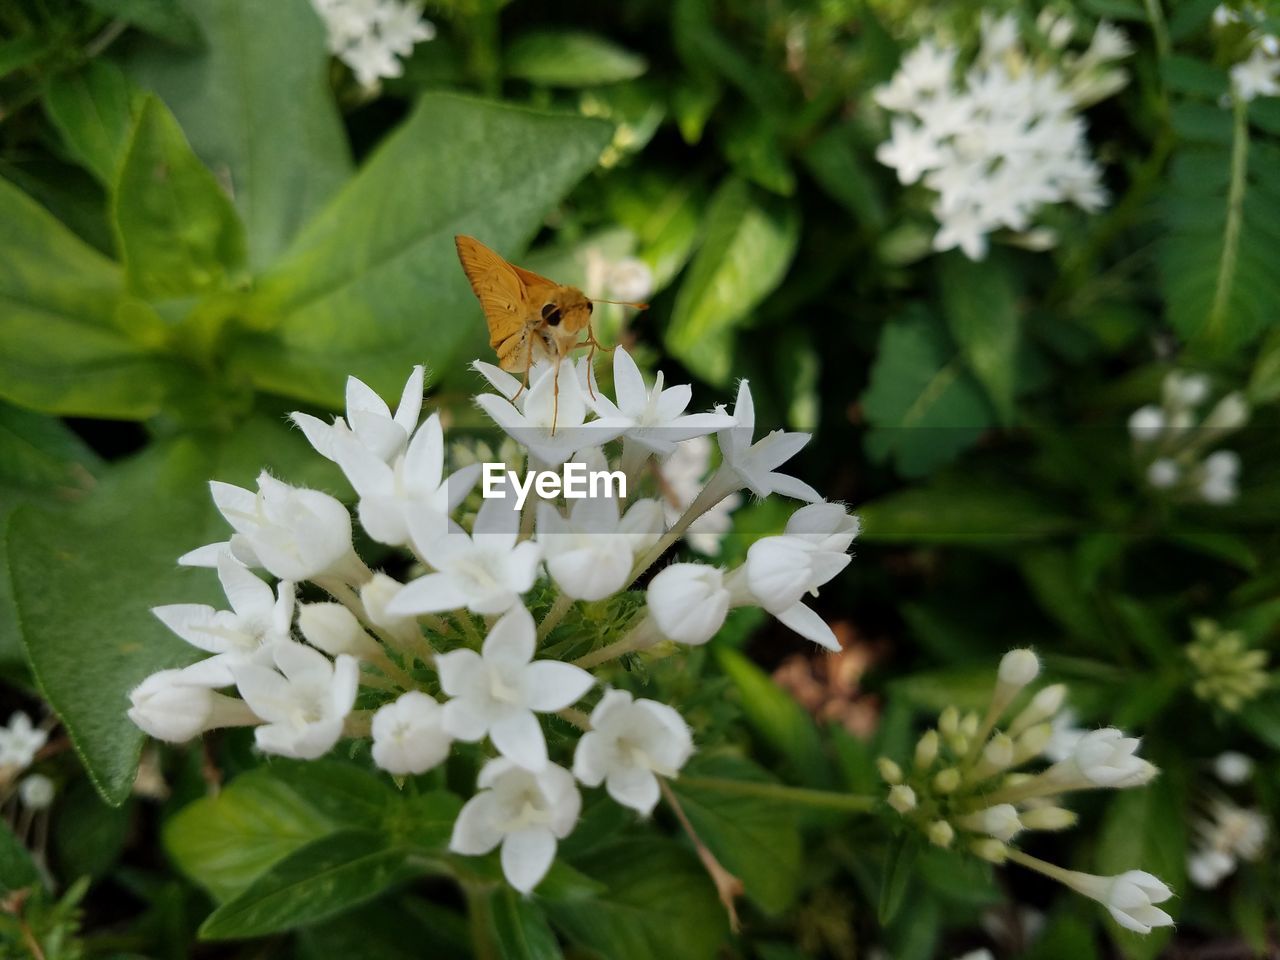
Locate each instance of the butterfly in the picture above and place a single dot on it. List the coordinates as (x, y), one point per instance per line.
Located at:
(530, 318)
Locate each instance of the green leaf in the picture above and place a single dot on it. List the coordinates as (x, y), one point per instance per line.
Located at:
(968, 688)
(373, 283)
(658, 903)
(62, 349)
(979, 302)
(1193, 76)
(263, 121)
(977, 512)
(179, 233)
(570, 58)
(1262, 718)
(776, 718)
(755, 839)
(520, 928)
(749, 242)
(166, 19)
(407, 927)
(835, 162)
(17, 872)
(226, 841)
(317, 881)
(899, 864)
(923, 406)
(94, 109)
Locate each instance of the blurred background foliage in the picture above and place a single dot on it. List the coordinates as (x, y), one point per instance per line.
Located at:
(205, 222)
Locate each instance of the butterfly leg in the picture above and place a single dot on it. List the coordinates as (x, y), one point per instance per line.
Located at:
(555, 401)
(528, 364)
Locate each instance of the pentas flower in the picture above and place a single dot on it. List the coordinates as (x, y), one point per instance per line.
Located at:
(369, 423)
(168, 706)
(371, 36)
(590, 553)
(689, 602)
(1225, 835)
(20, 741)
(496, 692)
(303, 705)
(964, 786)
(291, 532)
(258, 619)
(755, 463)
(630, 744)
(409, 735)
(526, 812)
(682, 475)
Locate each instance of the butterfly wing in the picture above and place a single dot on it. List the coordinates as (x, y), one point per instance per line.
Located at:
(502, 297)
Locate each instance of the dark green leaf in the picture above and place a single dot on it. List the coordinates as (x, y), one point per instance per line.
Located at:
(373, 284)
(570, 58)
(317, 881)
(979, 302)
(179, 233)
(977, 513)
(17, 872)
(520, 928)
(898, 867)
(166, 19)
(94, 110)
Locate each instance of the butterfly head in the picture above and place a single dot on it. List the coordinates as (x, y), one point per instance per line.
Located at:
(565, 313)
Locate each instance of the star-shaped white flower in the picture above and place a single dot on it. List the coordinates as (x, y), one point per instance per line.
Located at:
(409, 735)
(485, 572)
(20, 741)
(911, 149)
(497, 691)
(755, 464)
(526, 812)
(369, 421)
(589, 554)
(258, 619)
(413, 482)
(305, 704)
(630, 744)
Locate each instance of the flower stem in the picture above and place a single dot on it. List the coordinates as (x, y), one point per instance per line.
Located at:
(798, 796)
(479, 921)
(638, 638)
(1050, 870)
(728, 887)
(552, 620)
(721, 484)
(463, 618)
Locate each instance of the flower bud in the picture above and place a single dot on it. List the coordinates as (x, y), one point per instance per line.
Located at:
(926, 750)
(1107, 758)
(969, 725)
(375, 594)
(1130, 897)
(890, 772)
(997, 756)
(1146, 424)
(999, 821)
(902, 798)
(1018, 668)
(36, 791)
(1229, 413)
(949, 722)
(334, 629)
(990, 849)
(166, 707)
(940, 833)
(947, 781)
(1044, 705)
(1233, 768)
(1032, 743)
(1048, 818)
(688, 602)
(1163, 473)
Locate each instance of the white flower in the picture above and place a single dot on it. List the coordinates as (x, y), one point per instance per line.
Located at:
(1066, 735)
(590, 554)
(369, 422)
(409, 735)
(629, 279)
(1106, 758)
(401, 26)
(1219, 478)
(999, 821)
(1163, 473)
(333, 629)
(755, 464)
(370, 36)
(828, 526)
(20, 741)
(1257, 76)
(924, 71)
(413, 484)
(682, 475)
(688, 602)
(524, 811)
(552, 428)
(258, 619)
(912, 150)
(781, 570)
(1187, 390)
(1208, 868)
(485, 572)
(656, 419)
(305, 704)
(630, 744)
(36, 792)
(1147, 423)
(1130, 897)
(497, 691)
(1233, 768)
(167, 706)
(291, 532)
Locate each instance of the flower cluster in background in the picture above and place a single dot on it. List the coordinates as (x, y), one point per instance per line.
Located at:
(965, 787)
(1228, 673)
(1172, 440)
(1002, 138)
(1258, 74)
(1226, 834)
(455, 654)
(373, 36)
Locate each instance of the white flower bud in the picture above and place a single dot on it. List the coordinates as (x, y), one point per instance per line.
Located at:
(999, 821)
(940, 833)
(1207, 868)
(1045, 704)
(688, 602)
(1018, 668)
(1032, 743)
(949, 722)
(168, 708)
(1163, 473)
(376, 593)
(926, 750)
(947, 781)
(1146, 424)
(1233, 768)
(902, 798)
(1107, 758)
(36, 791)
(1048, 818)
(1130, 897)
(1185, 389)
(333, 628)
(408, 736)
(890, 772)
(1230, 413)
(990, 849)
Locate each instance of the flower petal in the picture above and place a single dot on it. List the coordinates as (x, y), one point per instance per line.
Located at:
(434, 593)
(476, 832)
(511, 640)
(519, 738)
(527, 856)
(551, 685)
(808, 624)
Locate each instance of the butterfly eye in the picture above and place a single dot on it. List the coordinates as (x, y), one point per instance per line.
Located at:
(551, 314)
(589, 306)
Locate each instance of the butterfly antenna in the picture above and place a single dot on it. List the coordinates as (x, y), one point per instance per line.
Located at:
(624, 303)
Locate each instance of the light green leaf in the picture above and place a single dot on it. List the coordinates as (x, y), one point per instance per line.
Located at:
(749, 242)
(570, 58)
(755, 839)
(373, 284)
(94, 109)
(226, 841)
(658, 903)
(979, 302)
(899, 864)
(519, 927)
(178, 232)
(165, 19)
(977, 512)
(968, 688)
(923, 406)
(315, 882)
(61, 348)
(263, 121)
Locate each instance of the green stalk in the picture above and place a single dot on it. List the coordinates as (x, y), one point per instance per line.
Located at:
(797, 796)
(1235, 217)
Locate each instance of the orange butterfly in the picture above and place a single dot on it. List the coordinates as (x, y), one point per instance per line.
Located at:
(530, 317)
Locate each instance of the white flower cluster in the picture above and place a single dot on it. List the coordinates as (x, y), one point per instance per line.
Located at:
(1226, 833)
(1258, 75)
(20, 742)
(1171, 440)
(455, 654)
(371, 36)
(1003, 138)
(964, 783)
